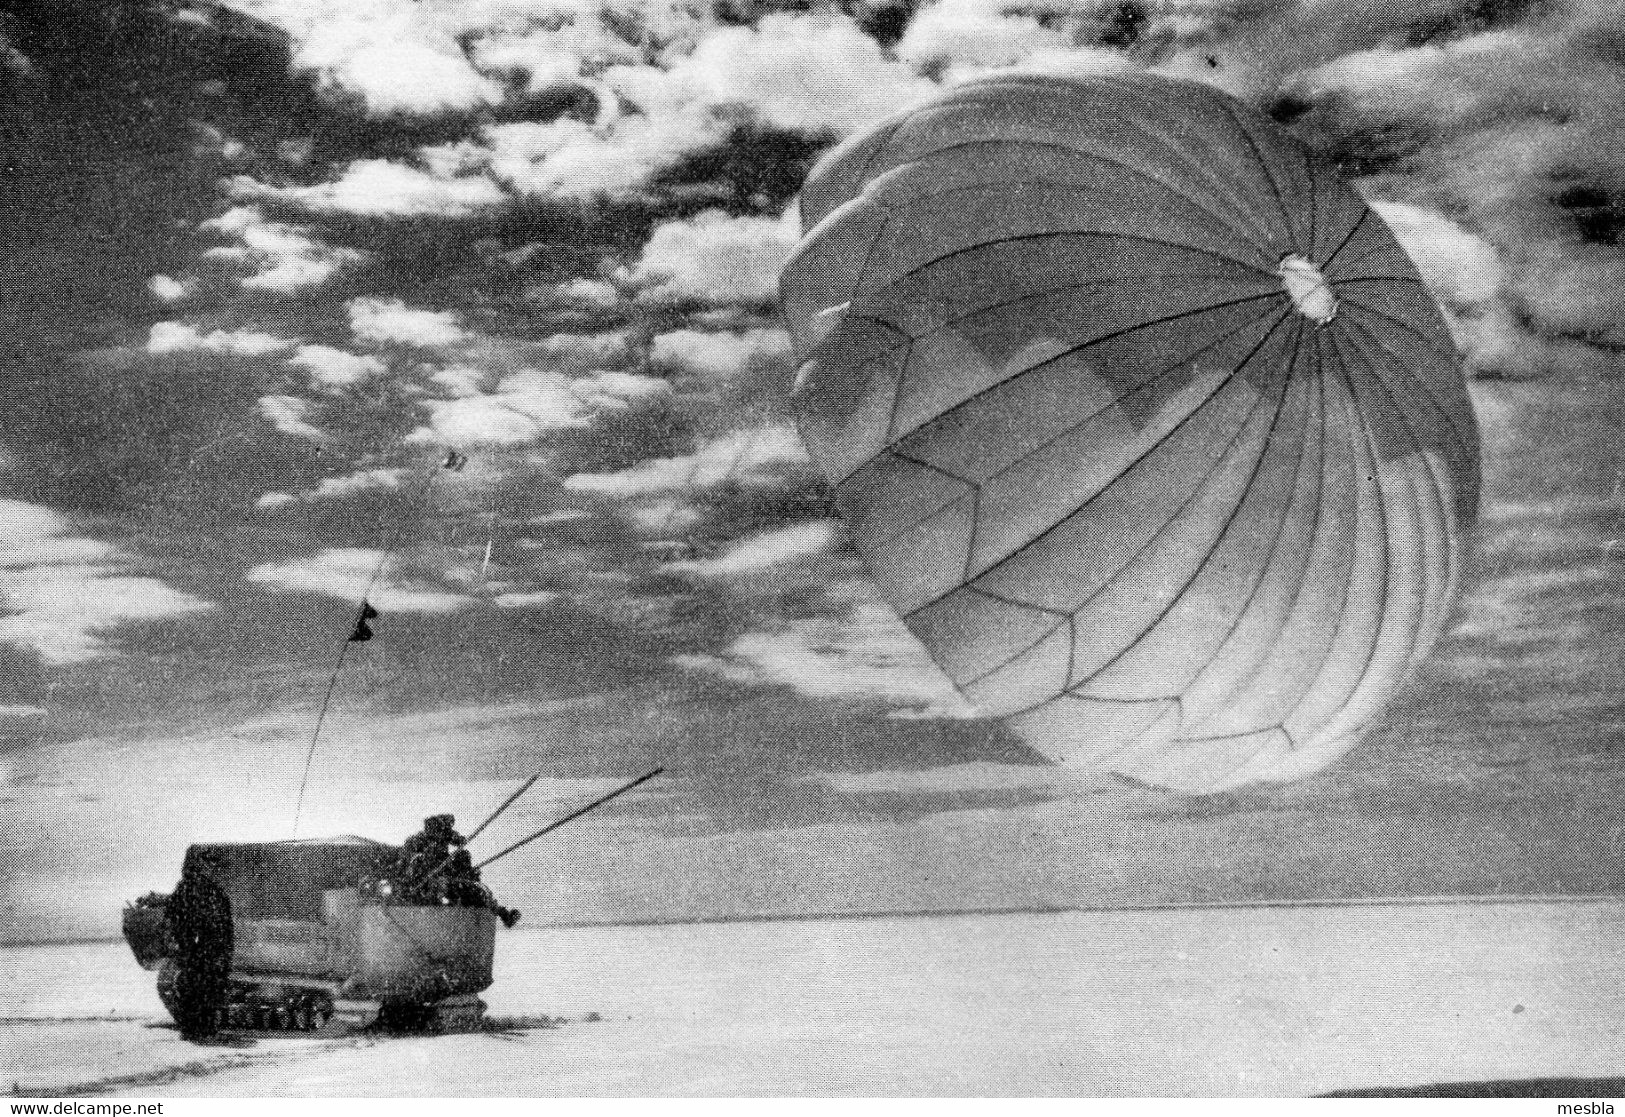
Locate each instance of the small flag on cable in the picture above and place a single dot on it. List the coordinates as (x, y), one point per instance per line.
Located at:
(454, 461)
(363, 631)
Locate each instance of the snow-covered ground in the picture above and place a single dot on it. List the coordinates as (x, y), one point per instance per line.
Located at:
(1183, 1002)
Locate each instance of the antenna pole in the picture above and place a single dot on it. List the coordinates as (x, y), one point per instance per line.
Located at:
(361, 610)
(316, 733)
(575, 814)
(332, 682)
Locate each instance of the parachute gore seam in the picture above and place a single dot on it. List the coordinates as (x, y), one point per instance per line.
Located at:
(1350, 409)
(1312, 548)
(1085, 345)
(1218, 388)
(1253, 411)
(1359, 223)
(1268, 167)
(1248, 237)
(1285, 391)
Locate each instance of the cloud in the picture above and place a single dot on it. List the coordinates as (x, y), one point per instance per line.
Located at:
(381, 188)
(758, 553)
(584, 350)
(460, 380)
(717, 356)
(594, 294)
(524, 600)
(344, 573)
(1465, 275)
(336, 368)
(982, 33)
(383, 321)
(397, 59)
(662, 517)
(365, 480)
(284, 259)
(287, 414)
(755, 458)
(976, 776)
(23, 711)
(560, 516)
(809, 73)
(33, 535)
(275, 500)
(818, 74)
(863, 655)
(568, 158)
(531, 404)
(59, 591)
(713, 259)
(179, 337)
(1504, 131)
(167, 289)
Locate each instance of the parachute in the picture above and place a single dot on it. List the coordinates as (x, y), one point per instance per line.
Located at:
(1142, 421)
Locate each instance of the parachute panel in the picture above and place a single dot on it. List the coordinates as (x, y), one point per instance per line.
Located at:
(1166, 656)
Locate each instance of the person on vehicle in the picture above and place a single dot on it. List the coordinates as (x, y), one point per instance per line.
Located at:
(422, 854)
(198, 915)
(463, 888)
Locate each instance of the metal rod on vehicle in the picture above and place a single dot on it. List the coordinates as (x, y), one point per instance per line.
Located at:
(506, 803)
(444, 865)
(550, 827)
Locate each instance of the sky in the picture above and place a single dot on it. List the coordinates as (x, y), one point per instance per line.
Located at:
(267, 260)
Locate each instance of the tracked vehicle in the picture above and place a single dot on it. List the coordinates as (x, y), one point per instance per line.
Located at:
(322, 942)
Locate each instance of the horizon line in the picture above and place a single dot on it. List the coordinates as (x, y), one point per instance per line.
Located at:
(1484, 899)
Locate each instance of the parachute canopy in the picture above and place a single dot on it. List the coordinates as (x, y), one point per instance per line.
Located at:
(1142, 420)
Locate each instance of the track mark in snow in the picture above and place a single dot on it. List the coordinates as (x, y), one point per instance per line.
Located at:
(194, 1069)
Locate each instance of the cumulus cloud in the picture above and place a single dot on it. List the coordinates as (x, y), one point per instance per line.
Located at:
(713, 259)
(179, 337)
(593, 294)
(395, 57)
(168, 289)
(586, 350)
(864, 654)
(287, 414)
(716, 356)
(814, 73)
(758, 458)
(1464, 274)
(336, 368)
(533, 403)
(381, 188)
(662, 516)
(759, 553)
(364, 480)
(983, 33)
(344, 573)
(810, 73)
(60, 591)
(383, 321)
(283, 257)
(568, 158)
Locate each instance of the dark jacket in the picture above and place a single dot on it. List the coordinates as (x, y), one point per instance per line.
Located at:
(199, 918)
